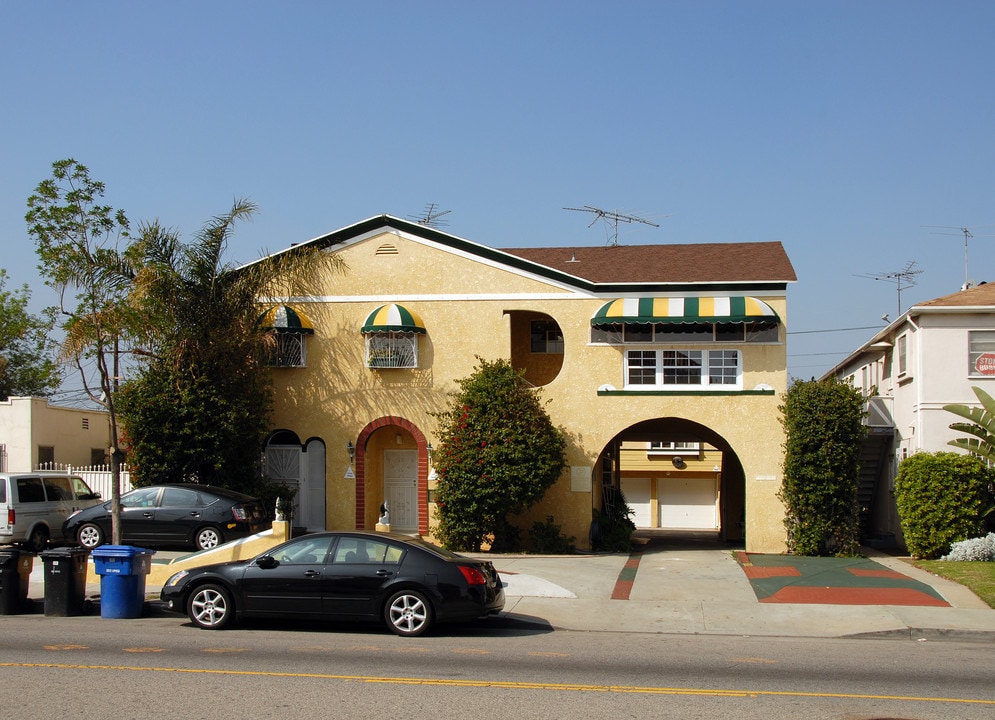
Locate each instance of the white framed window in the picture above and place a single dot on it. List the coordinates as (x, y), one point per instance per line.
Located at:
(981, 353)
(669, 447)
(683, 369)
(902, 350)
(392, 350)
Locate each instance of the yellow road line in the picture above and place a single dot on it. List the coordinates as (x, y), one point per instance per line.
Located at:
(508, 685)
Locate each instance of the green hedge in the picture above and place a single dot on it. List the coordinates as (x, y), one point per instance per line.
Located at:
(941, 497)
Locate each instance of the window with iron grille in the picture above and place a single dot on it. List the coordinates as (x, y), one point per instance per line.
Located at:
(286, 349)
(392, 350)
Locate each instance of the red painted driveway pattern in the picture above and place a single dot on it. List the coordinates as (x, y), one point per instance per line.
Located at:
(832, 581)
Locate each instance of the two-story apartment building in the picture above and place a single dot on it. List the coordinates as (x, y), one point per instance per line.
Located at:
(929, 357)
(631, 345)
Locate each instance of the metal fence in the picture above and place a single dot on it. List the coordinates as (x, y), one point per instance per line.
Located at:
(98, 477)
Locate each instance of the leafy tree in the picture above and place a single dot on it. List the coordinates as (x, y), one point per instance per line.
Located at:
(499, 453)
(940, 497)
(823, 426)
(27, 361)
(198, 410)
(78, 244)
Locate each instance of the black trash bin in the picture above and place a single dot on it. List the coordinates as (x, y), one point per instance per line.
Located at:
(15, 576)
(65, 580)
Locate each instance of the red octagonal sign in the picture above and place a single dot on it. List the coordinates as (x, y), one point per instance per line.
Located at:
(985, 364)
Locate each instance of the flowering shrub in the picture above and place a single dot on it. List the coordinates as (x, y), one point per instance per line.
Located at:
(977, 549)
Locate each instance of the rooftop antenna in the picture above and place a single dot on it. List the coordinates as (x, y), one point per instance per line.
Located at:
(967, 236)
(611, 219)
(431, 216)
(907, 274)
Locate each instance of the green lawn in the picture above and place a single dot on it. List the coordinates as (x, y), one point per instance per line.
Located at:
(978, 576)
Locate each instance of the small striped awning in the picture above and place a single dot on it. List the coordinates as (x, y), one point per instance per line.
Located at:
(285, 319)
(685, 310)
(393, 318)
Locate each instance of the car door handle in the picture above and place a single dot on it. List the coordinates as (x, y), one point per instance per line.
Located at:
(311, 573)
(195, 514)
(384, 573)
(147, 514)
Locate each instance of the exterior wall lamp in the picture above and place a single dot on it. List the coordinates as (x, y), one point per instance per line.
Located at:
(351, 449)
(429, 450)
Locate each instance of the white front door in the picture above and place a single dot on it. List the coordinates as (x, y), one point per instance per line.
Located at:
(400, 488)
(312, 503)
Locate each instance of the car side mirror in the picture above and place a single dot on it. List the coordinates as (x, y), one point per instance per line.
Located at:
(266, 562)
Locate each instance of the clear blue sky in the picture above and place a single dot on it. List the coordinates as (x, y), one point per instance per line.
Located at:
(837, 128)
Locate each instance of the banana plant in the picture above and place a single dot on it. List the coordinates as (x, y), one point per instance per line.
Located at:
(981, 427)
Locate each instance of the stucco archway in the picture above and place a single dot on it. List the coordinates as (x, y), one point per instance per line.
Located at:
(374, 438)
(676, 474)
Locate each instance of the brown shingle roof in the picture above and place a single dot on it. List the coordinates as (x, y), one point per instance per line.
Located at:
(693, 263)
(972, 297)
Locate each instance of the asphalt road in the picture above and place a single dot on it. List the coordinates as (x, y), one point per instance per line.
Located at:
(156, 667)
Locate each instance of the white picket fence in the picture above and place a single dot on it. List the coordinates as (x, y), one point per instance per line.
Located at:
(98, 477)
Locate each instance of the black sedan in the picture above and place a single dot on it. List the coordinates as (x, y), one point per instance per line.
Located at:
(341, 576)
(183, 514)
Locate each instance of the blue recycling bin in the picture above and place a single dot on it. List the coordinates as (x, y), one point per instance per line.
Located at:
(122, 570)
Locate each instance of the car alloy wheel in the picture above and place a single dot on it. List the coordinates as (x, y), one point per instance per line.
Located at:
(90, 536)
(408, 613)
(207, 538)
(210, 607)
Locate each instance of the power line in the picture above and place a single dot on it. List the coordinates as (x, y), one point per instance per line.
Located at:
(809, 332)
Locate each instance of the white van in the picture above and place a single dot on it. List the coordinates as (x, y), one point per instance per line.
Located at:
(33, 506)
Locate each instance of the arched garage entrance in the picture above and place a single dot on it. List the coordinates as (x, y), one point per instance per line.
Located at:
(676, 474)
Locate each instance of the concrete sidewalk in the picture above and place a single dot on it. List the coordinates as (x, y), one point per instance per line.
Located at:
(691, 588)
(695, 590)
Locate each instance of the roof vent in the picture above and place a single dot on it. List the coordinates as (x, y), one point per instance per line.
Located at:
(387, 249)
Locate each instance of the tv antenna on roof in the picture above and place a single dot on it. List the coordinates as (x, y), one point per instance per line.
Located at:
(967, 236)
(431, 216)
(611, 219)
(907, 274)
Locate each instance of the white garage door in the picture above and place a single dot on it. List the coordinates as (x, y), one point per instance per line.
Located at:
(688, 504)
(637, 497)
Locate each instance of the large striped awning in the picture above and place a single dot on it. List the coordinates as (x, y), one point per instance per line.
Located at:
(684, 310)
(393, 318)
(285, 319)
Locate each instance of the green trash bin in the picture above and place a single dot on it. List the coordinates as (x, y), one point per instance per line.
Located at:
(65, 580)
(122, 570)
(15, 576)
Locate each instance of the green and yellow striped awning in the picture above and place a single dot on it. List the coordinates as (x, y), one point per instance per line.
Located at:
(285, 319)
(393, 318)
(685, 310)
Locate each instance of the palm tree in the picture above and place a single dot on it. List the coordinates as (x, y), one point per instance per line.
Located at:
(199, 407)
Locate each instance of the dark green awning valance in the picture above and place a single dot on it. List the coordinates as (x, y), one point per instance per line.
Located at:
(285, 319)
(393, 318)
(685, 310)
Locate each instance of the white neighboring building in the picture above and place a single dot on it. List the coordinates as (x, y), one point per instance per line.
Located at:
(33, 432)
(929, 357)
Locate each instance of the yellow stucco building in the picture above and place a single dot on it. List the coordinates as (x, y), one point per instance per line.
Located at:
(661, 348)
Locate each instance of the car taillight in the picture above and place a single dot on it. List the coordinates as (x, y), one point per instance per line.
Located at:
(239, 512)
(473, 575)
(11, 516)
